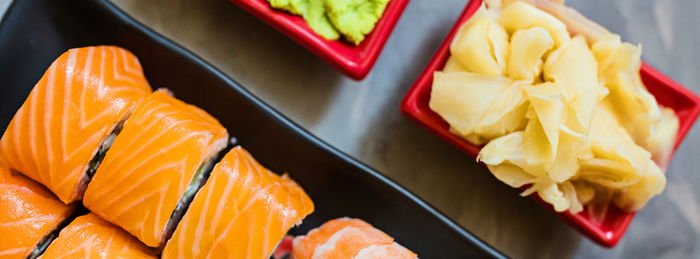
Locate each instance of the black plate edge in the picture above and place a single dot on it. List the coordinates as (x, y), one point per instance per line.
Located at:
(182, 51)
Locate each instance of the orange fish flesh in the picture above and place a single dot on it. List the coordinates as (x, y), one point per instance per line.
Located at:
(154, 167)
(242, 211)
(348, 238)
(28, 214)
(69, 113)
(89, 236)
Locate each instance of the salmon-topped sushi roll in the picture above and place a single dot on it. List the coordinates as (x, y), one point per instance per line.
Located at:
(155, 166)
(66, 124)
(243, 211)
(30, 216)
(89, 236)
(348, 238)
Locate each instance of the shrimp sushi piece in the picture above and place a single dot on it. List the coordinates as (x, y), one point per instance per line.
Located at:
(89, 236)
(348, 238)
(68, 121)
(155, 166)
(30, 216)
(243, 211)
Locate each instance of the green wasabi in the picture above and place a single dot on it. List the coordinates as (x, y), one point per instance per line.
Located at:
(297, 7)
(354, 19)
(316, 18)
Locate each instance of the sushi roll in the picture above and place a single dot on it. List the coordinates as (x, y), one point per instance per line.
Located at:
(243, 211)
(30, 216)
(89, 236)
(348, 238)
(57, 137)
(155, 166)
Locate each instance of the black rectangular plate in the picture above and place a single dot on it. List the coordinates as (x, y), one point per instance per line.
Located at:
(34, 32)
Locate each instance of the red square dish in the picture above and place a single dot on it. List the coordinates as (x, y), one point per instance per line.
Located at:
(353, 61)
(606, 231)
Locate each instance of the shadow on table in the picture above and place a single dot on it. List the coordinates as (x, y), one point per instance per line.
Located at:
(255, 54)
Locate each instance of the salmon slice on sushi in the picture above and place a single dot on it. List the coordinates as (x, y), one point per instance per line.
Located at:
(243, 211)
(30, 216)
(89, 236)
(155, 166)
(348, 238)
(59, 134)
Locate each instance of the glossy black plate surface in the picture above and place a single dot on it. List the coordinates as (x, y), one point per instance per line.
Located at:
(34, 32)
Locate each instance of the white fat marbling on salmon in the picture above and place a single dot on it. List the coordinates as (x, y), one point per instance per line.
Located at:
(392, 251)
(241, 212)
(82, 96)
(152, 162)
(330, 244)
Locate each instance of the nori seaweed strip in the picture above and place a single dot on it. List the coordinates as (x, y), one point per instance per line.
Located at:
(198, 180)
(49, 238)
(104, 147)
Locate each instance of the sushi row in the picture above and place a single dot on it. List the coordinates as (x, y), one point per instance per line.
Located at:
(145, 165)
(31, 218)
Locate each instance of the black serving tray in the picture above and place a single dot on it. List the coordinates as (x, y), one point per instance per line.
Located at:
(34, 32)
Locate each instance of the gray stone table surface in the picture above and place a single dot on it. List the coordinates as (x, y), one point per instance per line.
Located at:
(363, 118)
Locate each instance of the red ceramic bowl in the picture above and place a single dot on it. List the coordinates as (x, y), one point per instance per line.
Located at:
(606, 231)
(353, 61)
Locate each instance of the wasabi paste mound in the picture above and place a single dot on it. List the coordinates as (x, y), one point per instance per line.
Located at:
(297, 7)
(354, 19)
(316, 18)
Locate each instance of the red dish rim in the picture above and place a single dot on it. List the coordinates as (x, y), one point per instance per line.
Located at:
(609, 230)
(353, 61)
